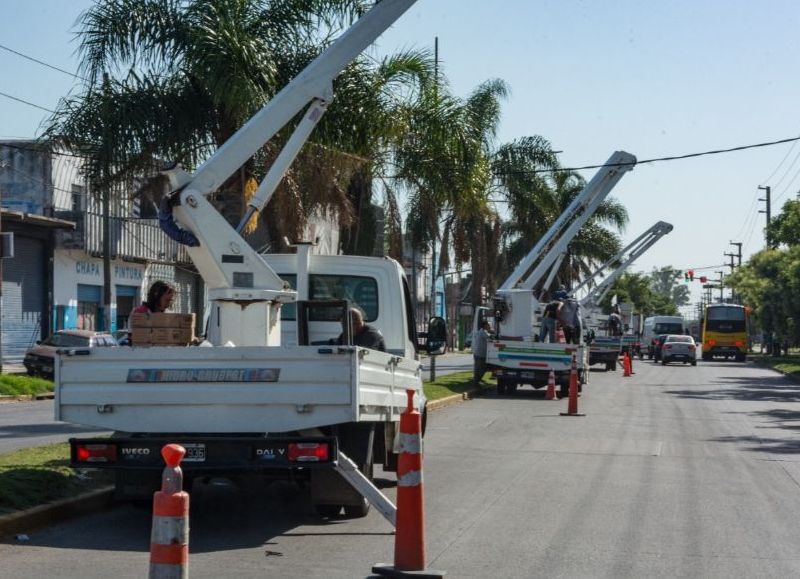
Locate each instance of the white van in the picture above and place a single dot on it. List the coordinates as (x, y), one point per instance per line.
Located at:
(656, 325)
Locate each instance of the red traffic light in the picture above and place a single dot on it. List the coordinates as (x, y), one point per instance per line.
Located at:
(703, 279)
(691, 275)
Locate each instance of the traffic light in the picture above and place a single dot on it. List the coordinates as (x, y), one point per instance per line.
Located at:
(703, 279)
(691, 274)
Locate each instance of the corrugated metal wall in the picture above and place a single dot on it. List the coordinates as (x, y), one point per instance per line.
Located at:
(24, 298)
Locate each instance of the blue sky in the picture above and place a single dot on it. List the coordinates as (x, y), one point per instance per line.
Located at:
(652, 78)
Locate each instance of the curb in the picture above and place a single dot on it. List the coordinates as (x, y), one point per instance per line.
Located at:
(455, 398)
(9, 399)
(44, 515)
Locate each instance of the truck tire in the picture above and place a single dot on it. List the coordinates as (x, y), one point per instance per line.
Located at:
(611, 366)
(329, 491)
(501, 386)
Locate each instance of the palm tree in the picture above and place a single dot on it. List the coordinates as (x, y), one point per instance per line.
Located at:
(174, 80)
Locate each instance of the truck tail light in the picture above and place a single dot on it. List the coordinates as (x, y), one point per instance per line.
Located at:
(308, 451)
(96, 453)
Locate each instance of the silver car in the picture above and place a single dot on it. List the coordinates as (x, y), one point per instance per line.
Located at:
(679, 348)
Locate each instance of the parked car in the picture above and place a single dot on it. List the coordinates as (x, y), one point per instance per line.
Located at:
(658, 343)
(39, 360)
(678, 348)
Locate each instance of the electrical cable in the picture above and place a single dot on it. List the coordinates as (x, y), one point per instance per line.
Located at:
(37, 61)
(655, 159)
(23, 101)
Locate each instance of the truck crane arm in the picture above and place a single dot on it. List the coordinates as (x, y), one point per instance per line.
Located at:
(620, 262)
(554, 243)
(236, 276)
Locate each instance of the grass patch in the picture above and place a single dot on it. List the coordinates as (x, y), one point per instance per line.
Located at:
(17, 385)
(457, 383)
(789, 364)
(36, 476)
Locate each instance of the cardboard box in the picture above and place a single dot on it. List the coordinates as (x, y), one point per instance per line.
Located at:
(170, 336)
(140, 336)
(162, 320)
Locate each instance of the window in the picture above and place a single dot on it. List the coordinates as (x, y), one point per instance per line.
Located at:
(360, 291)
(668, 328)
(66, 341)
(78, 200)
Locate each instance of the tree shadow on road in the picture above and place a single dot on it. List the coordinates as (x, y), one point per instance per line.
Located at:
(761, 389)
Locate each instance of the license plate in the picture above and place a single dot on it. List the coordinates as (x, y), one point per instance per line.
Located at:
(530, 375)
(195, 452)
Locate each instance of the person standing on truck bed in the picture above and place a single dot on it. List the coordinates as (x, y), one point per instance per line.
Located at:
(549, 319)
(479, 341)
(364, 335)
(159, 299)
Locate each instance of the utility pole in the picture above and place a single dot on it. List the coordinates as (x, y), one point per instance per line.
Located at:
(738, 245)
(768, 211)
(436, 232)
(731, 265)
(721, 285)
(106, 202)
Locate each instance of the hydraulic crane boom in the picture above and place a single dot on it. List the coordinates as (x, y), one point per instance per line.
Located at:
(552, 244)
(620, 262)
(244, 291)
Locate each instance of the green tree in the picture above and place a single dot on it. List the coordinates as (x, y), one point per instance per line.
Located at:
(636, 289)
(185, 75)
(665, 282)
(785, 228)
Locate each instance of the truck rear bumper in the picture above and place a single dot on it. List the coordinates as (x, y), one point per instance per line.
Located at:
(206, 454)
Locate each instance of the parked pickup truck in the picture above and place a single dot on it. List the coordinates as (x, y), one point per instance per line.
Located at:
(279, 411)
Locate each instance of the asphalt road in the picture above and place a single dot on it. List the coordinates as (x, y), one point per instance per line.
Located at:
(675, 472)
(27, 424)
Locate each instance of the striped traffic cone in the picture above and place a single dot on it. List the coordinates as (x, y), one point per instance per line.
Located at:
(409, 541)
(551, 387)
(169, 539)
(572, 406)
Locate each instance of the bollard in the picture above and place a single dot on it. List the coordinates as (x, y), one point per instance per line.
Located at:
(169, 539)
(572, 406)
(409, 541)
(551, 387)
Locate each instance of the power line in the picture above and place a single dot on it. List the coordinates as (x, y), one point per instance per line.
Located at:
(786, 156)
(30, 104)
(37, 61)
(656, 159)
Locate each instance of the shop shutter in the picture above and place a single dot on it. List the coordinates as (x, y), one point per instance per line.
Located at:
(89, 293)
(24, 298)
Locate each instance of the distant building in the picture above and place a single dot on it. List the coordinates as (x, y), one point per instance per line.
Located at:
(55, 279)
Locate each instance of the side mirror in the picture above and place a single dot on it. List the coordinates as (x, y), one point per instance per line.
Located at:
(436, 336)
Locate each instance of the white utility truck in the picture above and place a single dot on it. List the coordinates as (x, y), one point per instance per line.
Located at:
(606, 349)
(514, 354)
(272, 391)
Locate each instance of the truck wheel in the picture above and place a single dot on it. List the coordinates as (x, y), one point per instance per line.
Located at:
(741, 358)
(706, 357)
(611, 366)
(357, 511)
(329, 511)
(501, 386)
(511, 388)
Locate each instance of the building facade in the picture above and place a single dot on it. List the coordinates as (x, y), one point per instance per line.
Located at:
(55, 279)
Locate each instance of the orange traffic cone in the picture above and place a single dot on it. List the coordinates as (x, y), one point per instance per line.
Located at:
(409, 541)
(572, 407)
(551, 387)
(626, 366)
(169, 538)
